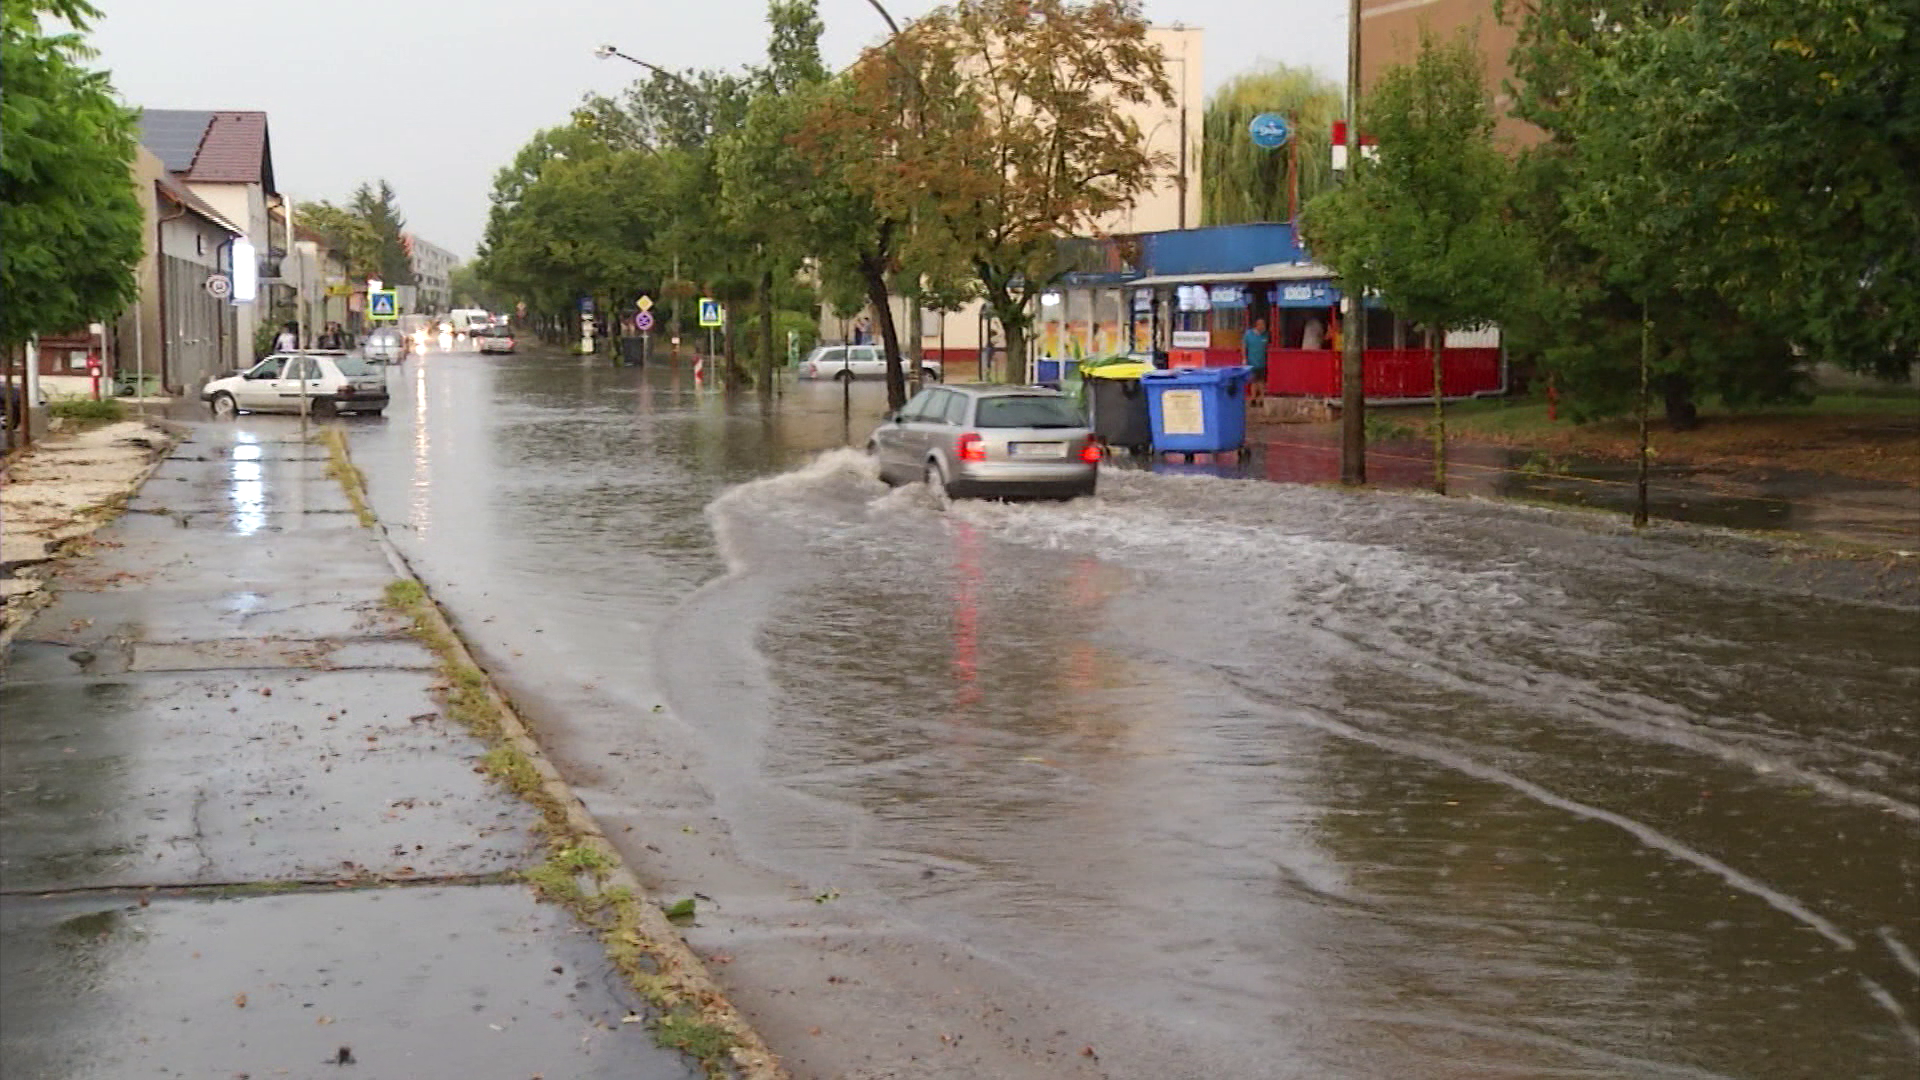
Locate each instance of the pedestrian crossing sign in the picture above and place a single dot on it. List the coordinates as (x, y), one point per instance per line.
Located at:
(383, 304)
(710, 312)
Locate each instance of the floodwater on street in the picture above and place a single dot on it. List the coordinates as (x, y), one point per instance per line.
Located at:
(1198, 778)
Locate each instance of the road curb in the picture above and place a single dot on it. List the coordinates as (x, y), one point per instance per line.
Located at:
(674, 961)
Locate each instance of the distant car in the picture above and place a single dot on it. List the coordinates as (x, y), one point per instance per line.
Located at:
(494, 339)
(385, 344)
(858, 362)
(329, 381)
(989, 442)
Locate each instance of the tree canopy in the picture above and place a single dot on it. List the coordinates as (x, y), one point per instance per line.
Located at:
(1425, 224)
(1747, 169)
(70, 219)
(1013, 132)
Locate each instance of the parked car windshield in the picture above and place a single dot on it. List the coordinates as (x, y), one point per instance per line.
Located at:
(354, 367)
(1034, 411)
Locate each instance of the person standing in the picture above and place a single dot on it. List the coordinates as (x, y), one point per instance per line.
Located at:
(1315, 335)
(289, 339)
(1254, 342)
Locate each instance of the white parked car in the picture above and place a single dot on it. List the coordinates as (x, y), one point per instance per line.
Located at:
(328, 381)
(859, 362)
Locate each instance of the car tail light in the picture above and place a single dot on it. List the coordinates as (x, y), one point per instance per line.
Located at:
(1090, 453)
(345, 391)
(972, 447)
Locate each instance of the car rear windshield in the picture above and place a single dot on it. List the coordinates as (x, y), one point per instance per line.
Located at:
(354, 367)
(1034, 411)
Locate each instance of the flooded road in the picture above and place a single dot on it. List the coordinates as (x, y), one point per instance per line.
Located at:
(1200, 778)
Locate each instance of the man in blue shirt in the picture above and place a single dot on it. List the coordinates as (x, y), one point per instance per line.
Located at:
(1254, 341)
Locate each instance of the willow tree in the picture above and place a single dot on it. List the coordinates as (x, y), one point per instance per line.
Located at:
(1241, 182)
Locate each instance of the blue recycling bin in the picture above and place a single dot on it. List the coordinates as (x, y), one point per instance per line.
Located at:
(1049, 372)
(1198, 410)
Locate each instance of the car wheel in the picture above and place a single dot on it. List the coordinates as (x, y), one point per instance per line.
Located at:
(224, 407)
(928, 374)
(937, 483)
(844, 375)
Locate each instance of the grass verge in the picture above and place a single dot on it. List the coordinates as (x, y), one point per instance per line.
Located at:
(581, 871)
(86, 411)
(341, 467)
(1861, 436)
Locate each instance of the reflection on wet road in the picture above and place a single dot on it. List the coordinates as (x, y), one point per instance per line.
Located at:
(1200, 778)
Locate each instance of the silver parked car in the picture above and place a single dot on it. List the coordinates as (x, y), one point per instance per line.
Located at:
(990, 442)
(846, 362)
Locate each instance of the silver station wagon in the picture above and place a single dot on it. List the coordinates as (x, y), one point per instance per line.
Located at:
(989, 442)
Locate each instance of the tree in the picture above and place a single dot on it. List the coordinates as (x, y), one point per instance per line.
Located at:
(1011, 133)
(346, 234)
(1778, 145)
(1769, 147)
(764, 181)
(1425, 223)
(380, 210)
(70, 233)
(1241, 182)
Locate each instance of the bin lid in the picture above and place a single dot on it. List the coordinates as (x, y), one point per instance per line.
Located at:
(1200, 375)
(1117, 371)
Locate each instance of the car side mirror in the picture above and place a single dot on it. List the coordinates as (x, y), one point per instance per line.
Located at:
(899, 418)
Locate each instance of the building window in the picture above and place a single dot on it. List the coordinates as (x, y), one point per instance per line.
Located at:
(199, 243)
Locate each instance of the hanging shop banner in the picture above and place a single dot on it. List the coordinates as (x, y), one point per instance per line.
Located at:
(1305, 294)
(1227, 296)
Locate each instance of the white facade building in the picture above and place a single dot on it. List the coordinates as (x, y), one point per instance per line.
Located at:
(432, 274)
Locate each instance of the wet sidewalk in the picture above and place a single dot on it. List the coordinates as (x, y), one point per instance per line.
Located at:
(237, 835)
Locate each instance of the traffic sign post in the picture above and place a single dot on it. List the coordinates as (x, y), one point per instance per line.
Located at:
(1269, 131)
(643, 322)
(383, 305)
(711, 313)
(645, 303)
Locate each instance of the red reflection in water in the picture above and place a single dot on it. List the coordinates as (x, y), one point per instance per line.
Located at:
(966, 616)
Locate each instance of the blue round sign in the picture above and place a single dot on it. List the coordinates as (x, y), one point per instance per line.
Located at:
(1269, 130)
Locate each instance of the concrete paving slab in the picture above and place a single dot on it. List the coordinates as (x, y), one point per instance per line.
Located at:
(417, 983)
(135, 613)
(325, 654)
(183, 779)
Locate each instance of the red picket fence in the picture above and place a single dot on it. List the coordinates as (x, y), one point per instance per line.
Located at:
(1390, 373)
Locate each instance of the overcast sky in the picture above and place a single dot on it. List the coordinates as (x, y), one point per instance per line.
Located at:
(435, 95)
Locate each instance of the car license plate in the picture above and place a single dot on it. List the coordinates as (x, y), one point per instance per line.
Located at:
(1038, 449)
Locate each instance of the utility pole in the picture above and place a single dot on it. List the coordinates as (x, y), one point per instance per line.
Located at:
(299, 292)
(1353, 393)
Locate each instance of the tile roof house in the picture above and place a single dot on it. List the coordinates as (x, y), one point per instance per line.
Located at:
(225, 159)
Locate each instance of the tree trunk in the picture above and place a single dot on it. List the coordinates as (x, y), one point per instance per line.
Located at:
(1640, 409)
(735, 375)
(1436, 340)
(766, 333)
(1682, 413)
(875, 273)
(1013, 325)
